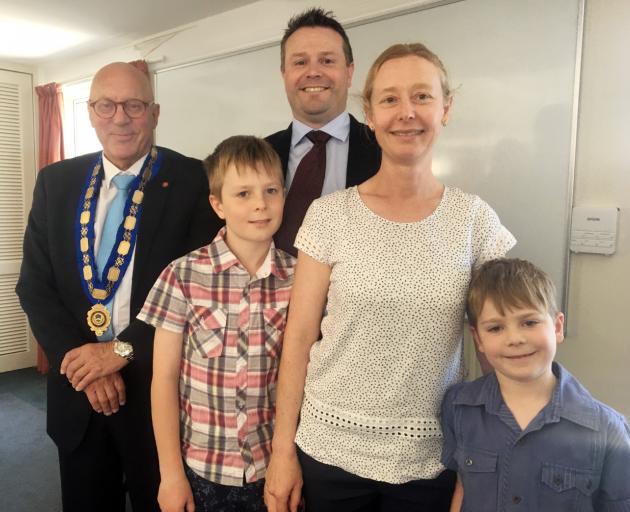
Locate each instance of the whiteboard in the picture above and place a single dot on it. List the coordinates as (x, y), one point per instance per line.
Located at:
(511, 133)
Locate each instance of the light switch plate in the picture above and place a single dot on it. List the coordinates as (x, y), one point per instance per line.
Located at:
(594, 230)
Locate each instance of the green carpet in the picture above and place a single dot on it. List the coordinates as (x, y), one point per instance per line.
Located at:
(29, 473)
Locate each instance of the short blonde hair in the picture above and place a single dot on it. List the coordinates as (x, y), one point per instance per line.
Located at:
(510, 283)
(398, 51)
(241, 151)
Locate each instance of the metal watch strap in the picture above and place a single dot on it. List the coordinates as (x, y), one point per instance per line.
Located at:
(123, 349)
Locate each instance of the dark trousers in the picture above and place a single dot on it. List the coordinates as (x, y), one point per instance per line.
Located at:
(111, 460)
(213, 497)
(331, 489)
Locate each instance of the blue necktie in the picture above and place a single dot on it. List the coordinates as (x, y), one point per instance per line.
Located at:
(108, 235)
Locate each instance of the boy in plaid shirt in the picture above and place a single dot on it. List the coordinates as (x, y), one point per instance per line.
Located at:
(219, 314)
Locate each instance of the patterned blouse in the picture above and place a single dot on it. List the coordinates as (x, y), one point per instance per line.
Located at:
(392, 336)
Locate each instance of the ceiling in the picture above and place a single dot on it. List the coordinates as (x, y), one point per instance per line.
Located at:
(105, 24)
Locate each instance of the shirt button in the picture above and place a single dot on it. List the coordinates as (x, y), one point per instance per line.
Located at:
(468, 461)
(516, 499)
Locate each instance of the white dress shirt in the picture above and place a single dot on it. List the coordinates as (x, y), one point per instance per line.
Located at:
(122, 300)
(336, 151)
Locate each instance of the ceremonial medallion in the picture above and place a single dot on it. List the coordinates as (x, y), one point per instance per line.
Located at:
(98, 319)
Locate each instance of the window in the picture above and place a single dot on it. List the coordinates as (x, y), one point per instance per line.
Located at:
(79, 136)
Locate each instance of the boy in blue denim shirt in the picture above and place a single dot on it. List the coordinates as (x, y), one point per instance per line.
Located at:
(528, 437)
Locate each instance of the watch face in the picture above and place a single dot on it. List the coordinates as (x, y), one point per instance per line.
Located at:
(123, 349)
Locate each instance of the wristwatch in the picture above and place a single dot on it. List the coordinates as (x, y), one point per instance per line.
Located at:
(123, 349)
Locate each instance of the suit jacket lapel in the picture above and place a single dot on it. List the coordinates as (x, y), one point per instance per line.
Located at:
(72, 186)
(356, 169)
(285, 148)
(153, 205)
(363, 152)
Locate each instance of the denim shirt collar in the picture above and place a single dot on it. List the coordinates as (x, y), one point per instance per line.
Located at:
(570, 400)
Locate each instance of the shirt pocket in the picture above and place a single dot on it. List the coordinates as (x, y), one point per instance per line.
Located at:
(567, 488)
(208, 332)
(275, 320)
(478, 471)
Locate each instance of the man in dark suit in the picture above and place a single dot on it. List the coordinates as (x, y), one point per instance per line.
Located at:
(317, 67)
(82, 297)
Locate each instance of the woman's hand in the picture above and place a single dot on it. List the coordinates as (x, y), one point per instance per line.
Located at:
(176, 496)
(283, 482)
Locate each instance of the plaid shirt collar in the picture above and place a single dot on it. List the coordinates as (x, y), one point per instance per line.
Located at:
(222, 259)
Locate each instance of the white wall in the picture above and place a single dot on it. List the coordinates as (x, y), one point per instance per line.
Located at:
(597, 348)
(13, 66)
(251, 25)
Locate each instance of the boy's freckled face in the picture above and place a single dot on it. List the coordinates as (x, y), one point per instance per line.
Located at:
(521, 344)
(251, 203)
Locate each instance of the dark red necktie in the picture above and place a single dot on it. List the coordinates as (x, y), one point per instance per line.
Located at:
(306, 186)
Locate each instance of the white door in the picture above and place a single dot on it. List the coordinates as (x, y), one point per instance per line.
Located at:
(17, 177)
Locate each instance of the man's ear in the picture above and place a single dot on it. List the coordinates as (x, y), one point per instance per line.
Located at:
(217, 206)
(155, 113)
(350, 72)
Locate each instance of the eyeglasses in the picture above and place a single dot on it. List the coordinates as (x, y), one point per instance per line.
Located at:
(106, 109)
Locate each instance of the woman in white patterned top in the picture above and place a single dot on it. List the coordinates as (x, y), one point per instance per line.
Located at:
(390, 262)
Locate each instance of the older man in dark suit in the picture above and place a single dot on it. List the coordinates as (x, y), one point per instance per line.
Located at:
(324, 149)
(101, 229)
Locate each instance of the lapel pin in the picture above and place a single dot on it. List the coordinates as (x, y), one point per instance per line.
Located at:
(165, 184)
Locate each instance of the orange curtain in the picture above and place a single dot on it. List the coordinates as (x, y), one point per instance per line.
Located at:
(50, 124)
(50, 100)
(141, 65)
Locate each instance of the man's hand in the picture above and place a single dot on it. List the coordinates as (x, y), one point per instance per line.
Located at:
(84, 364)
(283, 483)
(107, 394)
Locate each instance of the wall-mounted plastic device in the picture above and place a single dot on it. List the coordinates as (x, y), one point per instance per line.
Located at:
(594, 230)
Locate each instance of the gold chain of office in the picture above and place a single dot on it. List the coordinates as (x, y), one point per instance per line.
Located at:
(98, 317)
